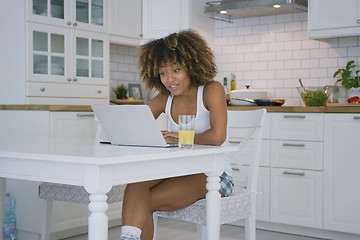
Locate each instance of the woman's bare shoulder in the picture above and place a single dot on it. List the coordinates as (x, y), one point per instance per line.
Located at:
(213, 87)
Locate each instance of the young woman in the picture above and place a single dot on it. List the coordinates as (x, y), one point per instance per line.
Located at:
(181, 67)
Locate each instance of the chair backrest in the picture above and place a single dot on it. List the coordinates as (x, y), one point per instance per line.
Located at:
(250, 126)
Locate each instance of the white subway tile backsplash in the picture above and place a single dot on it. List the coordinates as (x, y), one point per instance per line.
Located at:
(348, 42)
(251, 21)
(292, 64)
(267, 19)
(319, 53)
(301, 54)
(285, 36)
(283, 55)
(338, 52)
(274, 52)
(353, 51)
(284, 18)
(277, 27)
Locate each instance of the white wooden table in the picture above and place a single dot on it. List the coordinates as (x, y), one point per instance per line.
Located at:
(98, 167)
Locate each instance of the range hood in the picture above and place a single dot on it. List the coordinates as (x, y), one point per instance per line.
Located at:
(251, 8)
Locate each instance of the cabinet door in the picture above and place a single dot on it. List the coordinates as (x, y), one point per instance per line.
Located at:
(263, 189)
(90, 15)
(341, 173)
(333, 18)
(90, 58)
(296, 197)
(73, 124)
(125, 18)
(48, 53)
(162, 17)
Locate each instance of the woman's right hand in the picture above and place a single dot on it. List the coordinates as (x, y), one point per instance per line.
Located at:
(170, 137)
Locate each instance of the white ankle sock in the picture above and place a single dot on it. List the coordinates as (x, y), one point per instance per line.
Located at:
(130, 233)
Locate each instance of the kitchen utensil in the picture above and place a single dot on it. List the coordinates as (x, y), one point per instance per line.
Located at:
(246, 94)
(301, 84)
(262, 102)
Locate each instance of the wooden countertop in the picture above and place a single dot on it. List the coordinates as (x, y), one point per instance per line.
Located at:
(328, 109)
(46, 107)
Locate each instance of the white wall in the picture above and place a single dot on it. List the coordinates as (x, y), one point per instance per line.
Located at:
(273, 52)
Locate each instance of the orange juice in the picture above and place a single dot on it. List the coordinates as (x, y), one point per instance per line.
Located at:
(186, 138)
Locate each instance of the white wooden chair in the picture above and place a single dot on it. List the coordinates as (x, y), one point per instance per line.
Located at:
(242, 203)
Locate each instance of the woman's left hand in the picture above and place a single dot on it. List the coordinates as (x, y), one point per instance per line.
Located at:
(170, 137)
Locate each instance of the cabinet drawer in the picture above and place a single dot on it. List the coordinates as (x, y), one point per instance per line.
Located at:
(296, 197)
(245, 153)
(297, 126)
(66, 90)
(297, 154)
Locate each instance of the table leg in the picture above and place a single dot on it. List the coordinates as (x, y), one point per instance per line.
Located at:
(98, 220)
(213, 206)
(2, 204)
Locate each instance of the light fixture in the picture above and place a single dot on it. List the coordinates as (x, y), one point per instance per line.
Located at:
(276, 6)
(223, 12)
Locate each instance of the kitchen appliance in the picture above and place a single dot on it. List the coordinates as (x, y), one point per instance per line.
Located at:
(251, 8)
(262, 102)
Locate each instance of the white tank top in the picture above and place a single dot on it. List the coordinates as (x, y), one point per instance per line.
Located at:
(202, 121)
(202, 118)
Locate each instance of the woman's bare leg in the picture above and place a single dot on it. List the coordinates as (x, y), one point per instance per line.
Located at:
(142, 199)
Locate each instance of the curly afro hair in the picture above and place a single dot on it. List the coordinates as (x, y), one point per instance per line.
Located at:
(186, 48)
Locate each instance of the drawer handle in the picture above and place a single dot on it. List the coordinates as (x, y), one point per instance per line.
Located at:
(74, 79)
(68, 79)
(99, 91)
(356, 117)
(293, 145)
(358, 21)
(84, 115)
(294, 116)
(294, 173)
(75, 24)
(68, 23)
(42, 89)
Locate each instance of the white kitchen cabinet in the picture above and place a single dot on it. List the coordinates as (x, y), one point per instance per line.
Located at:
(296, 197)
(65, 63)
(333, 18)
(297, 126)
(75, 61)
(125, 22)
(341, 173)
(89, 15)
(162, 17)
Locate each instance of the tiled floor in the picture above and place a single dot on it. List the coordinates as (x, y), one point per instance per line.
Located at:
(176, 230)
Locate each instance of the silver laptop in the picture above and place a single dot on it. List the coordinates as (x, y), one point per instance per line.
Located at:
(130, 125)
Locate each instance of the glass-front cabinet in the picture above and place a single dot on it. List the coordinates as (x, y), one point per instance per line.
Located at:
(61, 55)
(80, 14)
(67, 59)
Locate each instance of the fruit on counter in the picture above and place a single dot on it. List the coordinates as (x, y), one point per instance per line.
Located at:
(355, 99)
(123, 98)
(131, 99)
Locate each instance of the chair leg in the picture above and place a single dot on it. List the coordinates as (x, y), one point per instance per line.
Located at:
(250, 228)
(46, 221)
(201, 231)
(155, 219)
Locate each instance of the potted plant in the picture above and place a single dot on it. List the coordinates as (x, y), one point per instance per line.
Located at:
(350, 79)
(120, 92)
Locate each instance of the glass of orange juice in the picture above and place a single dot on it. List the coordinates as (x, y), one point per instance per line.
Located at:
(186, 131)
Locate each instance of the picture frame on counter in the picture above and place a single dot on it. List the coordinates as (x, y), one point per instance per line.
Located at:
(135, 91)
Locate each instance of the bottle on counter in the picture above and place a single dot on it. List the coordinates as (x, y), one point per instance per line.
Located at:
(9, 232)
(226, 88)
(233, 82)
